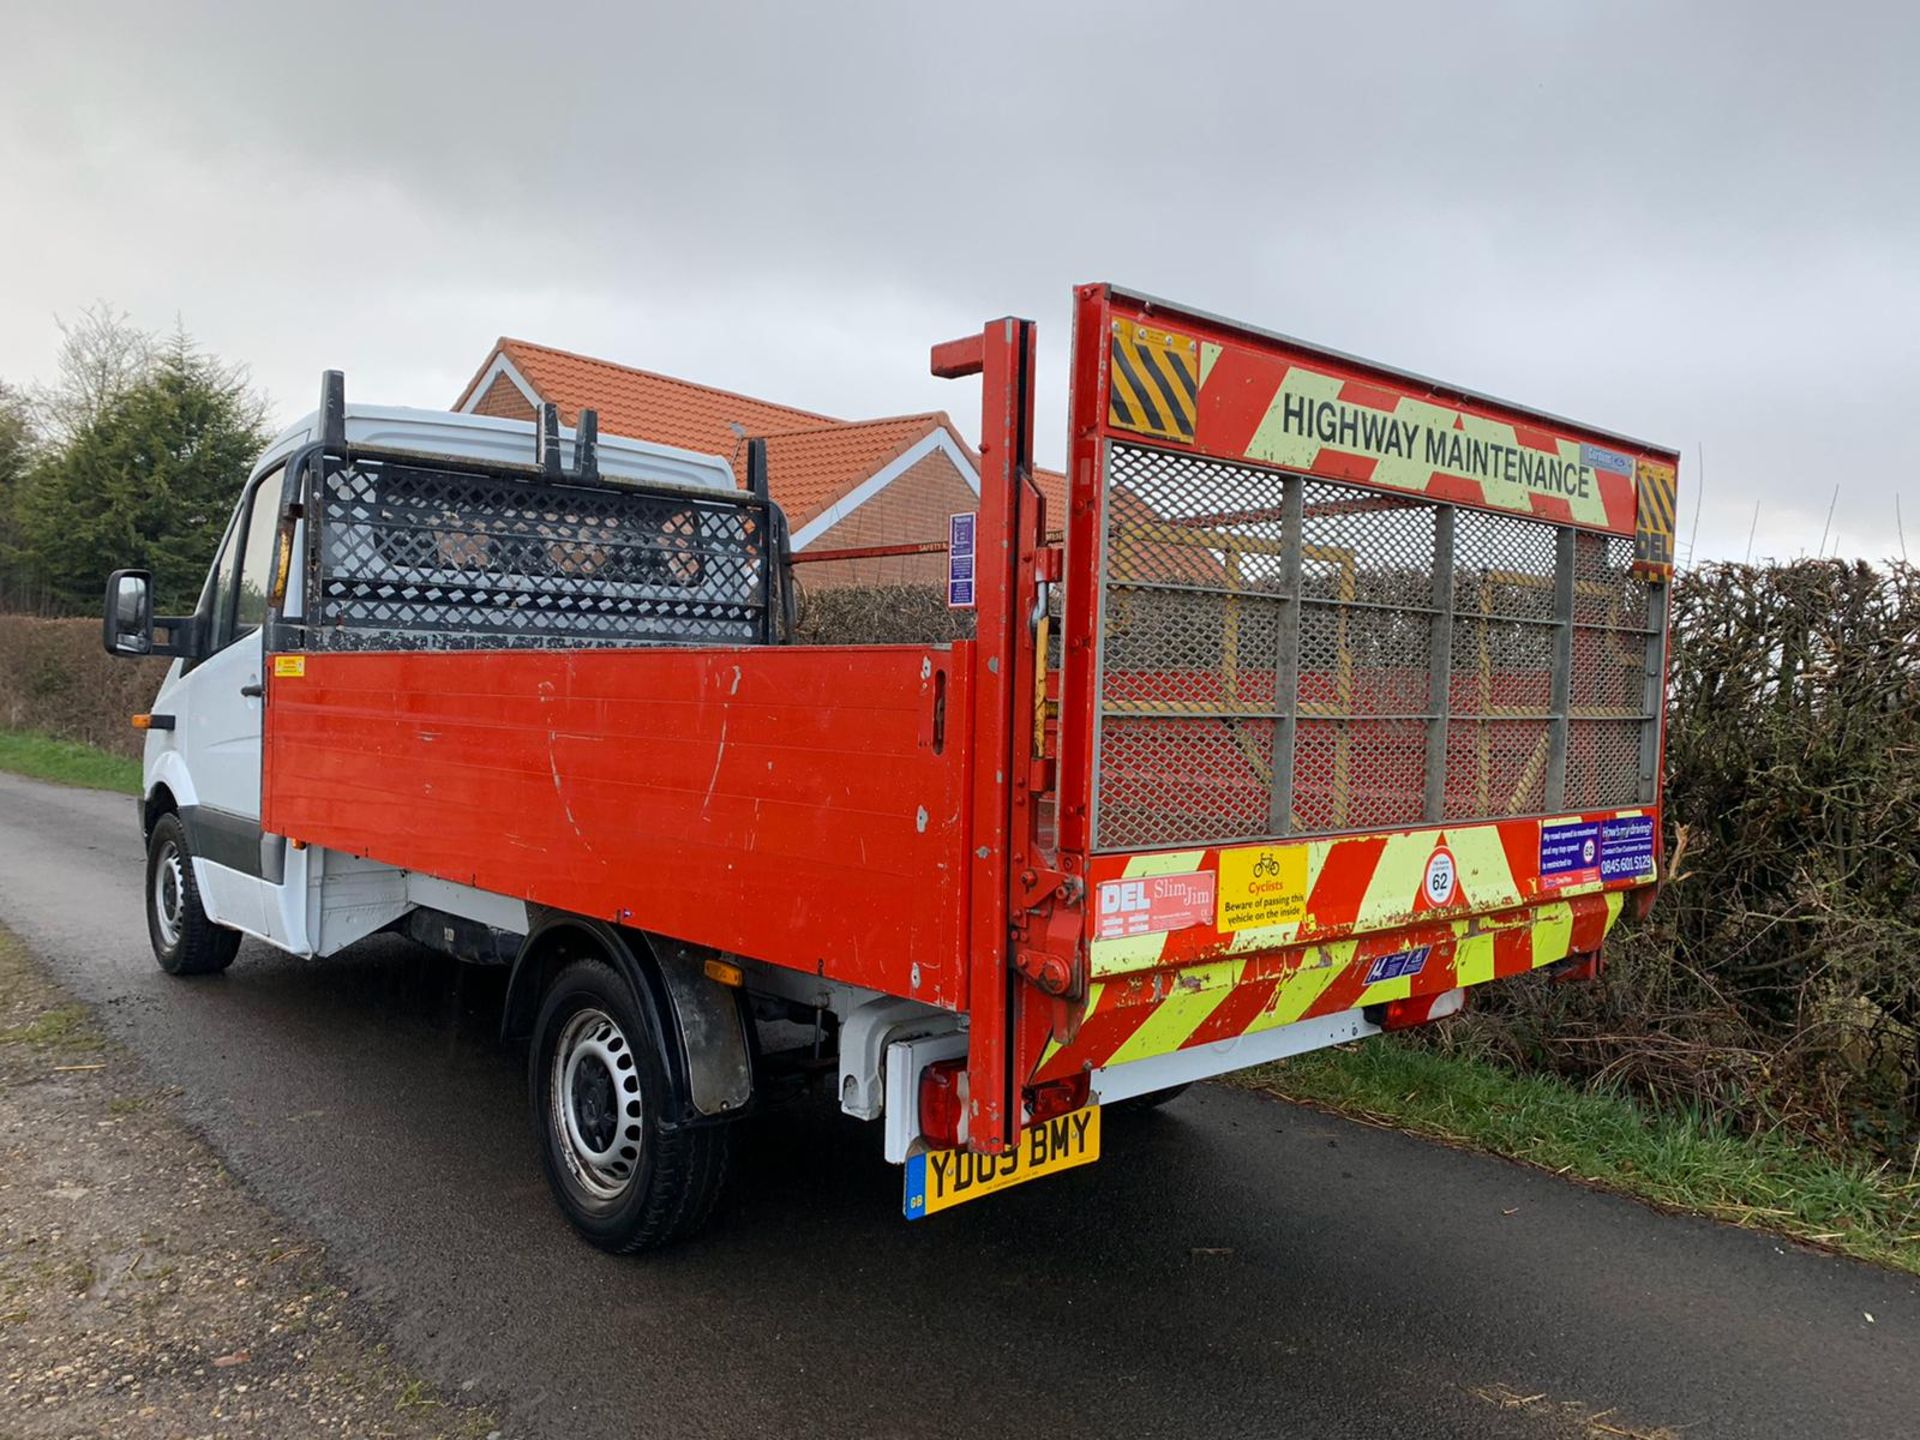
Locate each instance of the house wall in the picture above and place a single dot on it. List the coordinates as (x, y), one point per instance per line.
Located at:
(914, 507)
(504, 400)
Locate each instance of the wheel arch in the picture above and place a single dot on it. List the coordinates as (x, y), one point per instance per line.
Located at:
(160, 801)
(168, 788)
(696, 1025)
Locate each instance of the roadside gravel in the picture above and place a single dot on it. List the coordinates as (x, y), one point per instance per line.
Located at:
(142, 1291)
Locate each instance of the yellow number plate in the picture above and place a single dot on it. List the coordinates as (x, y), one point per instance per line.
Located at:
(941, 1179)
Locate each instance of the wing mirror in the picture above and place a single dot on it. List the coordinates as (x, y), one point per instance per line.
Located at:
(128, 625)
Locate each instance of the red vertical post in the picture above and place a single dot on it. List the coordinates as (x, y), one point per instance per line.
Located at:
(1004, 591)
(1086, 405)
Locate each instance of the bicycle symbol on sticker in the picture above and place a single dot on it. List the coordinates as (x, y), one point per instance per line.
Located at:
(1267, 864)
(1437, 884)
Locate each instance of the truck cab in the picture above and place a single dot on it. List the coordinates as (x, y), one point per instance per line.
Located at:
(202, 761)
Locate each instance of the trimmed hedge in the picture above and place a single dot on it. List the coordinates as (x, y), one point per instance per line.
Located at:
(55, 678)
(1777, 980)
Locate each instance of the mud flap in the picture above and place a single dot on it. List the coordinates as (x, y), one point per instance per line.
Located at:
(712, 1033)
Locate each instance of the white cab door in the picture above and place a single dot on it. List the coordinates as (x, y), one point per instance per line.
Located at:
(221, 713)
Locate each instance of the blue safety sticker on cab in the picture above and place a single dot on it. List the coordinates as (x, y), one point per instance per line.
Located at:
(961, 531)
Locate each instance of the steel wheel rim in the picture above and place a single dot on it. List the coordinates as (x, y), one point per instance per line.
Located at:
(594, 1095)
(169, 893)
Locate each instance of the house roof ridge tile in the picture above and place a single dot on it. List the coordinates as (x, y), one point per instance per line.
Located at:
(928, 418)
(508, 343)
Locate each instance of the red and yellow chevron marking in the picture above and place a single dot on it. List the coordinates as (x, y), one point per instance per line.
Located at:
(1312, 891)
(1136, 1016)
(1244, 938)
(1283, 404)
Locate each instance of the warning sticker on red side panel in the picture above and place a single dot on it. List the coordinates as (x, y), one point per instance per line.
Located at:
(1582, 852)
(1626, 848)
(1569, 853)
(1154, 904)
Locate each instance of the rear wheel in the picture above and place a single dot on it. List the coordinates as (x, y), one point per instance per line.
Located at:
(599, 1092)
(185, 941)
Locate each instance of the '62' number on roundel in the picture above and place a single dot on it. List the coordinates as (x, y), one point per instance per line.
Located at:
(1438, 883)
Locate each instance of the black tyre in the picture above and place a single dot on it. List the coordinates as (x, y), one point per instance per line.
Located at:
(185, 941)
(1151, 1101)
(599, 1089)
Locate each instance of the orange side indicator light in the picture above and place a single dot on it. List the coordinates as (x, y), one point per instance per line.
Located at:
(725, 973)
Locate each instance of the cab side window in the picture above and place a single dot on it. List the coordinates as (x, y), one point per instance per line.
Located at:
(217, 598)
(258, 556)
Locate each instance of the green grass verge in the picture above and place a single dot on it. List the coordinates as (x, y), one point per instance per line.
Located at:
(67, 761)
(1769, 1182)
(25, 1020)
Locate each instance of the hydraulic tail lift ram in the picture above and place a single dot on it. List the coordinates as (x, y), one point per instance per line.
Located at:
(1342, 696)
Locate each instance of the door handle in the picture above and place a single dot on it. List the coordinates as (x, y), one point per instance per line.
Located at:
(253, 692)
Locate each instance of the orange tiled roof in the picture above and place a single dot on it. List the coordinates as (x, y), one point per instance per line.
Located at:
(812, 459)
(810, 469)
(1053, 485)
(648, 406)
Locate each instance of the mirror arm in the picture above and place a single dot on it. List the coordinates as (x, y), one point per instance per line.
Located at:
(183, 636)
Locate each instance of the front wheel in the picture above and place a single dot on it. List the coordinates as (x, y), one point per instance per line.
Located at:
(185, 941)
(599, 1091)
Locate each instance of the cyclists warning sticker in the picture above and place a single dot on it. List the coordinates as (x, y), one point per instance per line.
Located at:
(1261, 885)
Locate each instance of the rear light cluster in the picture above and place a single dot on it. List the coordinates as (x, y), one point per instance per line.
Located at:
(1058, 1097)
(943, 1103)
(1417, 1009)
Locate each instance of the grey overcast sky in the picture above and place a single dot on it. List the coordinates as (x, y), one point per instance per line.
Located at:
(1699, 223)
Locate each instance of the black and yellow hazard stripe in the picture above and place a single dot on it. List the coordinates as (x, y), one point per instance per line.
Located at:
(1153, 381)
(1653, 516)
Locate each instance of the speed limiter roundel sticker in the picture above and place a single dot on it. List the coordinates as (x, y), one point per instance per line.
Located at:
(1438, 883)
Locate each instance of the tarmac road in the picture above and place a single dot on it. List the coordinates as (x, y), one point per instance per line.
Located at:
(1232, 1266)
